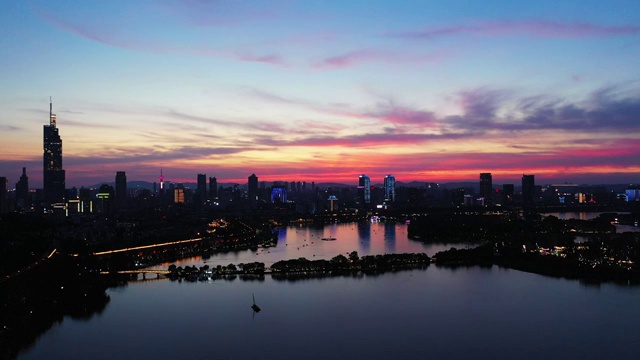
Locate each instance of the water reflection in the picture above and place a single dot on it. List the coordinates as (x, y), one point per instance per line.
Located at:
(306, 241)
(390, 237)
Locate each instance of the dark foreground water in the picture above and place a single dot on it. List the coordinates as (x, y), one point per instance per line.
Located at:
(437, 313)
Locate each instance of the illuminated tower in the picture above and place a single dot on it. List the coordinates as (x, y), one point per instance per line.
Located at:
(161, 180)
(53, 174)
(364, 189)
(389, 188)
(486, 188)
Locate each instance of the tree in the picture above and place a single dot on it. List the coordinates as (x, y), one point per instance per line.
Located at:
(353, 256)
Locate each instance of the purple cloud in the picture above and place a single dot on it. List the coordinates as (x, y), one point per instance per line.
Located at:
(363, 56)
(535, 28)
(266, 59)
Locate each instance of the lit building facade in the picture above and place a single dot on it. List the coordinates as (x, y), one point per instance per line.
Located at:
(278, 195)
(389, 188)
(364, 189)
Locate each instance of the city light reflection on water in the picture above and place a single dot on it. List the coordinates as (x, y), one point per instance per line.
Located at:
(438, 312)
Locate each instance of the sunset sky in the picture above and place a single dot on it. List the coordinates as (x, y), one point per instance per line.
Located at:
(323, 90)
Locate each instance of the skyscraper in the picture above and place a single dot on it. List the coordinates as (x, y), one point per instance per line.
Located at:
(53, 174)
(364, 189)
(22, 191)
(528, 190)
(121, 189)
(486, 188)
(213, 188)
(507, 194)
(201, 190)
(389, 188)
(4, 199)
(252, 189)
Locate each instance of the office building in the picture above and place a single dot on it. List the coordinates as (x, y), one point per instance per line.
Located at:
(278, 194)
(252, 187)
(528, 190)
(389, 188)
(364, 189)
(508, 191)
(53, 174)
(178, 194)
(4, 198)
(201, 189)
(486, 188)
(121, 189)
(23, 200)
(213, 188)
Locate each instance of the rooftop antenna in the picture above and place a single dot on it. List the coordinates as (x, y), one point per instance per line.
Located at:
(52, 116)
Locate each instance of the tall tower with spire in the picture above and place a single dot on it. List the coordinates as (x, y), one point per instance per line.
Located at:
(53, 174)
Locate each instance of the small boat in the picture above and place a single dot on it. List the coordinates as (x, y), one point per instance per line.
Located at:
(255, 307)
(329, 239)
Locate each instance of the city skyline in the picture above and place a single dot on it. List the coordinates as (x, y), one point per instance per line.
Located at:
(323, 92)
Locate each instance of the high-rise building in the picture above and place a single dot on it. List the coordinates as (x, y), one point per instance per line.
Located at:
(278, 194)
(213, 188)
(22, 191)
(508, 190)
(121, 189)
(486, 188)
(252, 188)
(178, 194)
(528, 190)
(53, 174)
(201, 190)
(105, 199)
(364, 189)
(389, 188)
(4, 199)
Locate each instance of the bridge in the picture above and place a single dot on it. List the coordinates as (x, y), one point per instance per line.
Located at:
(147, 246)
(144, 272)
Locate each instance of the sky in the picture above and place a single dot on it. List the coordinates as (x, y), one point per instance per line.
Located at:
(323, 91)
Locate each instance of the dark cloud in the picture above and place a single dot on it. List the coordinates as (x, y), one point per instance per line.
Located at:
(602, 111)
(145, 155)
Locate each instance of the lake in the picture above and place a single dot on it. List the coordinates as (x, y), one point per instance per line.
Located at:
(439, 313)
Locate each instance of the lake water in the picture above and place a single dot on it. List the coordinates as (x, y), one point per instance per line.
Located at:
(438, 313)
(306, 241)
